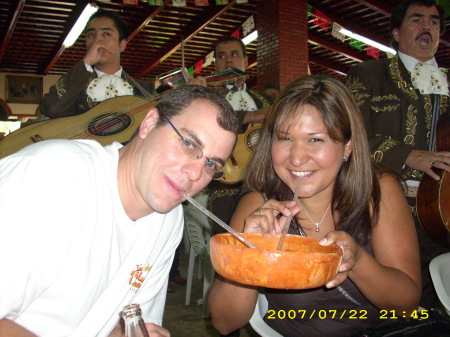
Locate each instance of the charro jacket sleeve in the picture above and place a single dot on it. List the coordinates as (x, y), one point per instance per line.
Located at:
(67, 97)
(383, 109)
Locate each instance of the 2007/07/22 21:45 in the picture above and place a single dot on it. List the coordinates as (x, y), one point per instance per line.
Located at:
(350, 314)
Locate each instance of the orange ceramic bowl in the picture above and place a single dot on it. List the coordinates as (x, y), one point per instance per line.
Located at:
(302, 264)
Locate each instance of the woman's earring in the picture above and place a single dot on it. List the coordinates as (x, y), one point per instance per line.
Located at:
(345, 158)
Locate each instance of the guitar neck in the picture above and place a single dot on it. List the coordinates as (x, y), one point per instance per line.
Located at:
(228, 76)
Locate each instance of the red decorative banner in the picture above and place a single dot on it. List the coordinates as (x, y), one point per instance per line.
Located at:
(201, 3)
(130, 2)
(322, 20)
(198, 67)
(237, 33)
(373, 51)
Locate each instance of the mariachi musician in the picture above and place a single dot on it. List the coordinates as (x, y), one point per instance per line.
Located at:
(401, 99)
(99, 75)
(252, 107)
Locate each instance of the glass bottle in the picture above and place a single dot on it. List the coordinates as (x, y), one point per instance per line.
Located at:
(134, 324)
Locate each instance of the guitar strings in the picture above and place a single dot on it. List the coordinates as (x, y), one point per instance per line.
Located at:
(130, 110)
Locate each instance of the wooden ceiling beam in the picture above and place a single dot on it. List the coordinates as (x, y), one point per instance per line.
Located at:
(359, 57)
(59, 47)
(149, 18)
(328, 66)
(175, 45)
(13, 19)
(378, 6)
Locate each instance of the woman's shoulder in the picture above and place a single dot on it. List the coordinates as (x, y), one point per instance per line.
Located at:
(251, 198)
(389, 180)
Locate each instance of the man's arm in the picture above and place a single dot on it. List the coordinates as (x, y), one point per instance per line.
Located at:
(63, 97)
(10, 328)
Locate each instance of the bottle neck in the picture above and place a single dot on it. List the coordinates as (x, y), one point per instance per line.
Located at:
(134, 324)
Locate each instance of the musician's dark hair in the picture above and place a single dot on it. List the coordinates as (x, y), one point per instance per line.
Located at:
(356, 194)
(231, 39)
(176, 100)
(399, 12)
(119, 22)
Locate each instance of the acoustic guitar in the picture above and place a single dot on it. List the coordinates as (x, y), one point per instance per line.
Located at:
(433, 197)
(115, 119)
(234, 167)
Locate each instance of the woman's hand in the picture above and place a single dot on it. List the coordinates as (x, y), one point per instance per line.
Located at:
(270, 218)
(351, 253)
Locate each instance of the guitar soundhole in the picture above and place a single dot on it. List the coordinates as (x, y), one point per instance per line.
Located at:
(109, 124)
(252, 139)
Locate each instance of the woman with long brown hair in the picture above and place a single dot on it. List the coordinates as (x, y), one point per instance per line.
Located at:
(315, 133)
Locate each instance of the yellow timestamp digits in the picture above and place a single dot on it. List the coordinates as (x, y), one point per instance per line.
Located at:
(392, 314)
(320, 314)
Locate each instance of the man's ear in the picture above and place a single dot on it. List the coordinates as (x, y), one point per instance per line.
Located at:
(245, 62)
(395, 33)
(123, 45)
(148, 123)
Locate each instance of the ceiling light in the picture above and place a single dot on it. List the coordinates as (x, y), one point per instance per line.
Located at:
(250, 37)
(368, 41)
(79, 26)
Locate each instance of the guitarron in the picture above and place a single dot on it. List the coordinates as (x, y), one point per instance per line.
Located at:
(433, 197)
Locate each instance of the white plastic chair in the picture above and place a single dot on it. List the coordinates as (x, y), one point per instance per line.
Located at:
(257, 321)
(440, 274)
(199, 235)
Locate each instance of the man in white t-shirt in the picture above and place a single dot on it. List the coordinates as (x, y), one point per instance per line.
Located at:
(88, 229)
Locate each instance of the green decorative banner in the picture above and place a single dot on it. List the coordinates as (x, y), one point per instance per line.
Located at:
(356, 44)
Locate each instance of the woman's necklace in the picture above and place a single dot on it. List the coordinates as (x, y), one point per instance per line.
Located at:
(317, 224)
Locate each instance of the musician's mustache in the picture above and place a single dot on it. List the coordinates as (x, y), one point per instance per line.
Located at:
(423, 34)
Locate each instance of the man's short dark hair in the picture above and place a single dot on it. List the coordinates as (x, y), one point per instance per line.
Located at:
(176, 100)
(399, 12)
(119, 22)
(230, 39)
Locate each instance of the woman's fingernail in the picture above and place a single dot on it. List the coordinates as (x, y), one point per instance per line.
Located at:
(330, 284)
(323, 241)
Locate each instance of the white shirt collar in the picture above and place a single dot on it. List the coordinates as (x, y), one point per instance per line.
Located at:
(243, 88)
(410, 62)
(100, 73)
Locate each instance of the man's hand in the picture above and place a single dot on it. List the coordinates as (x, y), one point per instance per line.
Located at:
(156, 330)
(152, 329)
(199, 80)
(95, 52)
(425, 160)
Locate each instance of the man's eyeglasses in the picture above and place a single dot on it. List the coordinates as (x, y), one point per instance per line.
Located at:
(193, 150)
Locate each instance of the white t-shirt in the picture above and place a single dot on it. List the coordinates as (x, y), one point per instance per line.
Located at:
(70, 258)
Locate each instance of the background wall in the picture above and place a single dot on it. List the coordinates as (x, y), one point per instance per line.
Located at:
(25, 109)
